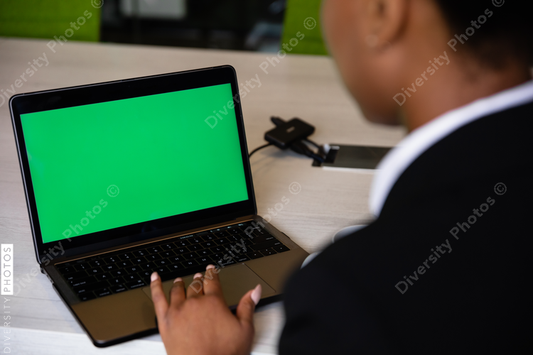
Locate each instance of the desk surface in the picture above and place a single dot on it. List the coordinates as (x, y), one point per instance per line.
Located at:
(304, 86)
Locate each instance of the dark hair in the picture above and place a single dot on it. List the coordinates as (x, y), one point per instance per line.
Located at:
(506, 32)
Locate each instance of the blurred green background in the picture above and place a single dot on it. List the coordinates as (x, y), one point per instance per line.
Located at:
(253, 25)
(49, 18)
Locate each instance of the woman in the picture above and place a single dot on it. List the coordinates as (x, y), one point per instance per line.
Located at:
(444, 268)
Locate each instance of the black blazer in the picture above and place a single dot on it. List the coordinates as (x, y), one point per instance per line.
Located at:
(395, 287)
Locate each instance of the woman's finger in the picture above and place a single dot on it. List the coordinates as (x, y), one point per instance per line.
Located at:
(246, 307)
(158, 297)
(196, 288)
(212, 282)
(177, 293)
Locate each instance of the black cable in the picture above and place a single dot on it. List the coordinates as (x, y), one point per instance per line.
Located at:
(301, 148)
(313, 143)
(258, 148)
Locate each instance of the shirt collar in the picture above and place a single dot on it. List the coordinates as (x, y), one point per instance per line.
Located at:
(421, 139)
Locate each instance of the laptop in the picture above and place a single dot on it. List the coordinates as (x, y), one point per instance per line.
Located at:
(129, 177)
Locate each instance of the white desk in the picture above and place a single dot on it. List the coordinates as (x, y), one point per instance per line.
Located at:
(303, 86)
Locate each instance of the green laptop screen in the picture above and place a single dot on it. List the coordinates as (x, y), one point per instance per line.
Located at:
(106, 165)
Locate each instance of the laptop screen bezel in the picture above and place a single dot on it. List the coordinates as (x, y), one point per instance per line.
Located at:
(117, 90)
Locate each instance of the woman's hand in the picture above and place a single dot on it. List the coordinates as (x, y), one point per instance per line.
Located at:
(198, 321)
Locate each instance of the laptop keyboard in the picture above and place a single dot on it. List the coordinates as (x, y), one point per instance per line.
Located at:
(128, 269)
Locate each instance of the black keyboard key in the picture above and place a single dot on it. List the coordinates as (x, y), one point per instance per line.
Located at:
(176, 259)
(240, 248)
(195, 240)
(110, 259)
(264, 245)
(220, 234)
(171, 275)
(147, 266)
(153, 257)
(102, 292)
(252, 234)
(63, 269)
(83, 281)
(96, 263)
(183, 272)
(189, 256)
(175, 267)
(222, 241)
(90, 287)
(182, 243)
(145, 275)
(81, 266)
(254, 255)
(95, 271)
(167, 246)
(162, 262)
(133, 269)
(162, 269)
(234, 231)
(203, 261)
(262, 239)
(233, 249)
(75, 275)
(126, 256)
(218, 249)
(205, 252)
(139, 253)
(208, 244)
(110, 267)
(195, 247)
(154, 250)
(208, 237)
(131, 277)
(244, 249)
(267, 251)
(260, 231)
(116, 280)
(118, 273)
(135, 284)
(118, 288)
(217, 256)
(167, 253)
(189, 263)
(248, 241)
(249, 233)
(87, 296)
(102, 277)
(235, 238)
(241, 258)
(280, 248)
(182, 250)
(125, 263)
(138, 260)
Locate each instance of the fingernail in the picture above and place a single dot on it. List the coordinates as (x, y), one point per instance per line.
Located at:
(154, 276)
(256, 294)
(178, 279)
(198, 276)
(210, 266)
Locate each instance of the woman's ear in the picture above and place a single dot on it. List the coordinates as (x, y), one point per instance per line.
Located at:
(385, 21)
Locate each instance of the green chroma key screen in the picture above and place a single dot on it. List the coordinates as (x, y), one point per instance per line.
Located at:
(106, 165)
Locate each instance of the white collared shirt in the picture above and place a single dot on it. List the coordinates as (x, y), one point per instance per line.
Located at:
(411, 147)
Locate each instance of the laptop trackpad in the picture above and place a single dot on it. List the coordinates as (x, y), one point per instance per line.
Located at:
(236, 280)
